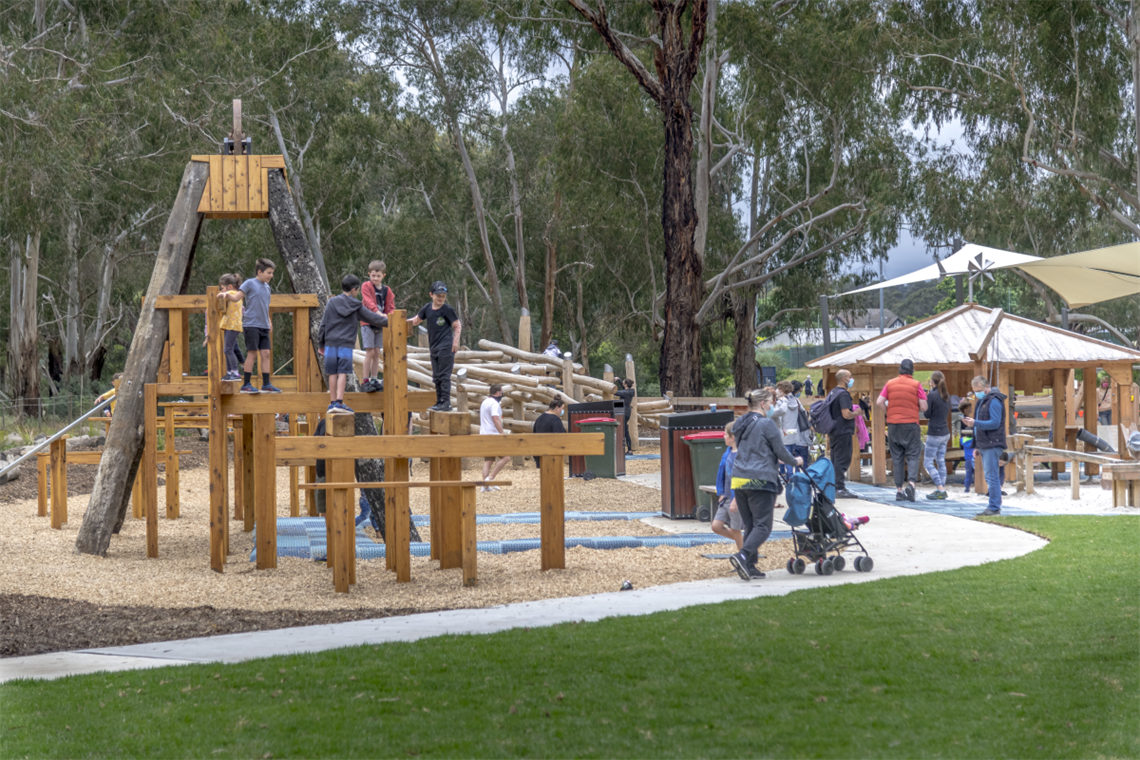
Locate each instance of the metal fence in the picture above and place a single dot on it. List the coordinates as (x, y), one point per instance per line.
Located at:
(40, 415)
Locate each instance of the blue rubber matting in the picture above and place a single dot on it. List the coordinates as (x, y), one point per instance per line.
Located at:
(525, 518)
(305, 538)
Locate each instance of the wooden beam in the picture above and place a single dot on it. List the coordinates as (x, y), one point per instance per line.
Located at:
(631, 374)
(403, 484)
(300, 403)
(265, 489)
(450, 533)
(58, 449)
(989, 329)
(341, 534)
(1058, 417)
(170, 454)
(219, 524)
(413, 446)
(197, 302)
(1092, 417)
(470, 546)
(149, 469)
(552, 510)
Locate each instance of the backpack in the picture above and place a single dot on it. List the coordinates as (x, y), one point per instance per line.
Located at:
(821, 419)
(803, 422)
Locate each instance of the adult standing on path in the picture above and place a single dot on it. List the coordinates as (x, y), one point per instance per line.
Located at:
(989, 438)
(789, 415)
(491, 423)
(839, 439)
(807, 386)
(755, 479)
(627, 394)
(937, 434)
(902, 399)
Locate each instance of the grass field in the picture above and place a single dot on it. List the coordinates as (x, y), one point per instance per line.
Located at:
(1032, 657)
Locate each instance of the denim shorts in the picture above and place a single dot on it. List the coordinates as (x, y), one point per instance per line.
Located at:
(338, 361)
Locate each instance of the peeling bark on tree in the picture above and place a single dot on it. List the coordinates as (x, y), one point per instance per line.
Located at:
(301, 266)
(123, 451)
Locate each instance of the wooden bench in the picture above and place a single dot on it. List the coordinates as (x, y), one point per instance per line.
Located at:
(1124, 480)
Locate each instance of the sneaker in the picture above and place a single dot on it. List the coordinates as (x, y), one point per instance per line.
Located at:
(908, 490)
(935, 495)
(989, 512)
(494, 488)
(248, 388)
(333, 409)
(845, 494)
(441, 408)
(900, 496)
(753, 573)
(369, 386)
(740, 565)
(485, 489)
(344, 409)
(270, 388)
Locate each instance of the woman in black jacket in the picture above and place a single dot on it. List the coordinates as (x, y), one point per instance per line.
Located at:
(550, 421)
(937, 434)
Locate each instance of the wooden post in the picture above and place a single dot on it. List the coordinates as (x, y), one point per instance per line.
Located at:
(397, 517)
(42, 462)
(178, 347)
(1058, 419)
(170, 453)
(518, 412)
(524, 331)
(434, 496)
(608, 376)
(294, 475)
(247, 480)
(470, 572)
(450, 500)
(149, 468)
(1071, 399)
(219, 524)
(137, 497)
(878, 431)
(552, 508)
(58, 449)
(568, 386)
(1124, 406)
(631, 374)
(462, 400)
(1092, 416)
(265, 489)
(239, 468)
(341, 535)
(1004, 377)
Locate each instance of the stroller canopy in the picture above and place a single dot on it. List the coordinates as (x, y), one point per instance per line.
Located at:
(819, 476)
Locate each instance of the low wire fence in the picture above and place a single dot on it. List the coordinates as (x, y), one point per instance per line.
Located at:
(30, 417)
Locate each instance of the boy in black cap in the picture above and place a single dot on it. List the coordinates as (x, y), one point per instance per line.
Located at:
(443, 328)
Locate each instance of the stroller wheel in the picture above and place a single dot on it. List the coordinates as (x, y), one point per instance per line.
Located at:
(866, 564)
(838, 562)
(819, 567)
(828, 568)
(588, 475)
(792, 566)
(800, 566)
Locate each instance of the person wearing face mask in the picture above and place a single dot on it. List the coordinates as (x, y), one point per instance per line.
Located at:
(795, 426)
(755, 479)
(988, 423)
(839, 439)
(902, 400)
(550, 421)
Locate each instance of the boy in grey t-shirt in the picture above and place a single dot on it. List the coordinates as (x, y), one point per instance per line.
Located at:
(256, 326)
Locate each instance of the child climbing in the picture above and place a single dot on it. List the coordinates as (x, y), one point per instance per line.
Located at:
(379, 299)
(337, 336)
(254, 295)
(231, 326)
(444, 328)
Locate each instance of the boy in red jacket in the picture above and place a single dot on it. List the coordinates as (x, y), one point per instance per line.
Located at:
(379, 299)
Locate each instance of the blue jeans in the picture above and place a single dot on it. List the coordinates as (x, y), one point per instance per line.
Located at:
(797, 451)
(936, 459)
(991, 463)
(968, 458)
(365, 511)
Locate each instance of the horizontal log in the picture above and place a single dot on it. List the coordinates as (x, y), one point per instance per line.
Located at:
(412, 446)
(1075, 456)
(405, 484)
(529, 356)
(276, 300)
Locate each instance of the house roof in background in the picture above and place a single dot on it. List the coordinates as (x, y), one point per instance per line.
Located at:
(865, 318)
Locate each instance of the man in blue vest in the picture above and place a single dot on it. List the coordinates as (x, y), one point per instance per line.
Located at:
(989, 439)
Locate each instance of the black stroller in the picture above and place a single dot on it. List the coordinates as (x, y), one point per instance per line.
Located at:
(823, 530)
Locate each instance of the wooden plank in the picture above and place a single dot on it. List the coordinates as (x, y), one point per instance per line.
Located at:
(136, 497)
(414, 446)
(197, 302)
(1058, 416)
(58, 455)
(265, 490)
(340, 534)
(470, 553)
(229, 179)
(989, 329)
(434, 516)
(1075, 456)
(241, 182)
(217, 427)
(294, 475)
(450, 514)
(302, 350)
(441, 485)
(177, 345)
(1092, 418)
(273, 162)
(42, 463)
(148, 470)
(294, 402)
(552, 513)
(217, 200)
(401, 516)
(257, 201)
(170, 454)
(311, 496)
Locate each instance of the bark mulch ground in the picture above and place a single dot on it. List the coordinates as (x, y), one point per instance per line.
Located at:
(39, 624)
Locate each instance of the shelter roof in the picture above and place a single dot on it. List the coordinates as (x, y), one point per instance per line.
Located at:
(949, 338)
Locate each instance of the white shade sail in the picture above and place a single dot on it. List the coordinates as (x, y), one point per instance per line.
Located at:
(956, 263)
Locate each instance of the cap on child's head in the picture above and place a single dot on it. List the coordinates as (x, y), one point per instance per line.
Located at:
(438, 287)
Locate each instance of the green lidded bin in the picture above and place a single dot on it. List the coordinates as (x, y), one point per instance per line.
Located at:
(602, 465)
(705, 451)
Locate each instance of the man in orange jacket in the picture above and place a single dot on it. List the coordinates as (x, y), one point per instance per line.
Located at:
(902, 400)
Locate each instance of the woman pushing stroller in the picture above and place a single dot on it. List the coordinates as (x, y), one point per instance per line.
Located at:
(755, 477)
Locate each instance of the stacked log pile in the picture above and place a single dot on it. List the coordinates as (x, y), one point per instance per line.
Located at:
(530, 382)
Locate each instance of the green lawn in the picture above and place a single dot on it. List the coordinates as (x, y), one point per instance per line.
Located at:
(1033, 657)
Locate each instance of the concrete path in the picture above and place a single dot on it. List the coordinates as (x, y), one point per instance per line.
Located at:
(901, 541)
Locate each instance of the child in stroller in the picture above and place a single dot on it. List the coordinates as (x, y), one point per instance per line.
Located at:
(824, 530)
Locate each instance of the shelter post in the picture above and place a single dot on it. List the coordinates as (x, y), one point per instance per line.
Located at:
(1058, 419)
(1091, 413)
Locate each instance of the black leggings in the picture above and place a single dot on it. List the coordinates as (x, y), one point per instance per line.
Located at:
(628, 445)
(756, 508)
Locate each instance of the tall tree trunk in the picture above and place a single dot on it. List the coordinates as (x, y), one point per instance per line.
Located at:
(584, 351)
(704, 160)
(123, 451)
(680, 369)
(548, 283)
(744, 300)
(23, 351)
(72, 362)
(516, 205)
(305, 277)
(312, 233)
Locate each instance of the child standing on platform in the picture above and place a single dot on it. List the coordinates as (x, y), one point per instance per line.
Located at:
(337, 336)
(443, 328)
(254, 295)
(379, 299)
(231, 326)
